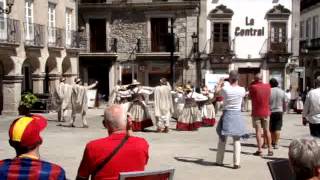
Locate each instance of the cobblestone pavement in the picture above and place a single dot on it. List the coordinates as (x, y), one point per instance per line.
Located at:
(192, 154)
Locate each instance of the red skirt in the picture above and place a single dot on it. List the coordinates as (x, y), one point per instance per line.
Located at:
(188, 126)
(141, 125)
(208, 122)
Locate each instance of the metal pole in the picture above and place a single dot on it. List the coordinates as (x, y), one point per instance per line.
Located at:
(172, 49)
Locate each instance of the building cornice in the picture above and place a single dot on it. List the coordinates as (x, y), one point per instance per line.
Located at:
(148, 6)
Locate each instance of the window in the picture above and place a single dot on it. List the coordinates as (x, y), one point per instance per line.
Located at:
(278, 32)
(308, 28)
(3, 22)
(29, 28)
(221, 32)
(52, 23)
(68, 26)
(315, 27)
(159, 35)
(302, 28)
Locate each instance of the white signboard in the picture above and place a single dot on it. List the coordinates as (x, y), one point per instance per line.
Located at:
(211, 80)
(91, 95)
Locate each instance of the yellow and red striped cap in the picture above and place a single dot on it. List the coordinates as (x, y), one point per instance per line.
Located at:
(26, 130)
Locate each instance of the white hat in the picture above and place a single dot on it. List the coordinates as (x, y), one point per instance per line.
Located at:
(135, 82)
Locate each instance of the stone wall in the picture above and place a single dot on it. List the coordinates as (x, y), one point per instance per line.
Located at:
(127, 27)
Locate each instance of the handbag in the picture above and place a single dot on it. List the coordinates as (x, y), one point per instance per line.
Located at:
(110, 156)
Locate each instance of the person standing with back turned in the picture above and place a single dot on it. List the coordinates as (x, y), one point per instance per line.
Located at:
(260, 97)
(231, 122)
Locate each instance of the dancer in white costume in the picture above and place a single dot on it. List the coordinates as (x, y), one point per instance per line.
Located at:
(121, 96)
(63, 99)
(207, 110)
(178, 101)
(138, 109)
(190, 119)
(79, 102)
(163, 105)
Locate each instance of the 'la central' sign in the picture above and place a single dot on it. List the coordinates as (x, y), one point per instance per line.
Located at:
(249, 31)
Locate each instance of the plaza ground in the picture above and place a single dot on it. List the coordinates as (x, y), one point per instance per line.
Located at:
(192, 154)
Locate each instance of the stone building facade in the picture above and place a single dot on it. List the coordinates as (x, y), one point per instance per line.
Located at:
(310, 42)
(38, 45)
(145, 40)
(251, 37)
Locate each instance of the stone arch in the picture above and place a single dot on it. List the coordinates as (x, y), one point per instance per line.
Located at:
(66, 66)
(29, 66)
(51, 66)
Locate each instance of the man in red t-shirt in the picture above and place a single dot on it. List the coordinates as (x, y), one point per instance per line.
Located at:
(260, 97)
(132, 156)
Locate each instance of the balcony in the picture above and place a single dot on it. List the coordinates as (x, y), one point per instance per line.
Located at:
(313, 44)
(9, 32)
(221, 52)
(75, 40)
(276, 52)
(221, 48)
(162, 48)
(56, 38)
(110, 50)
(34, 35)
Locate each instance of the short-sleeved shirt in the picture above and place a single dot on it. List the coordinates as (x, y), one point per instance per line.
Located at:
(277, 99)
(232, 97)
(133, 156)
(260, 97)
(30, 169)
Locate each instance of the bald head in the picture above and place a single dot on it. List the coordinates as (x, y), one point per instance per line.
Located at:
(258, 77)
(115, 118)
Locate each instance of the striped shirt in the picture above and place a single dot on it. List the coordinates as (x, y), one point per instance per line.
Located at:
(30, 169)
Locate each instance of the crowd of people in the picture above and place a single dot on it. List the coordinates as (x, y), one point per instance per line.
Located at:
(127, 111)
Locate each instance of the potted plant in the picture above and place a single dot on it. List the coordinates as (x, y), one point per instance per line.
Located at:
(26, 103)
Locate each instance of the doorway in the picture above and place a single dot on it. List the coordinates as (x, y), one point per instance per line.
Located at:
(97, 35)
(247, 76)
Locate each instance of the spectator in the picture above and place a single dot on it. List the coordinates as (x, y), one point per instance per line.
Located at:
(24, 137)
(288, 98)
(105, 158)
(260, 96)
(277, 102)
(311, 111)
(231, 122)
(304, 157)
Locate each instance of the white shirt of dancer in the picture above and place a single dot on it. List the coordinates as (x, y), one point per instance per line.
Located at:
(196, 96)
(163, 105)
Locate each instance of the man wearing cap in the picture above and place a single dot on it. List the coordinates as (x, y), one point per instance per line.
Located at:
(63, 98)
(24, 134)
(79, 102)
(163, 105)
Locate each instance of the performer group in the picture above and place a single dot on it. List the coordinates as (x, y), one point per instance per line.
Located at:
(191, 109)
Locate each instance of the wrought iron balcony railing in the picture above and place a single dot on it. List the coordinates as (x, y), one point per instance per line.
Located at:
(75, 40)
(9, 31)
(150, 46)
(56, 37)
(34, 34)
(272, 47)
(222, 47)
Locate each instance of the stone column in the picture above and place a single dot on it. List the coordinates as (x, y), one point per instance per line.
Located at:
(53, 83)
(11, 90)
(37, 83)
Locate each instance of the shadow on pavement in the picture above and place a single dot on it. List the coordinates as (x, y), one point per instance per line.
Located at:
(273, 158)
(229, 151)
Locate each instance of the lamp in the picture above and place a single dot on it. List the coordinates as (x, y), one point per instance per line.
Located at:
(8, 9)
(194, 37)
